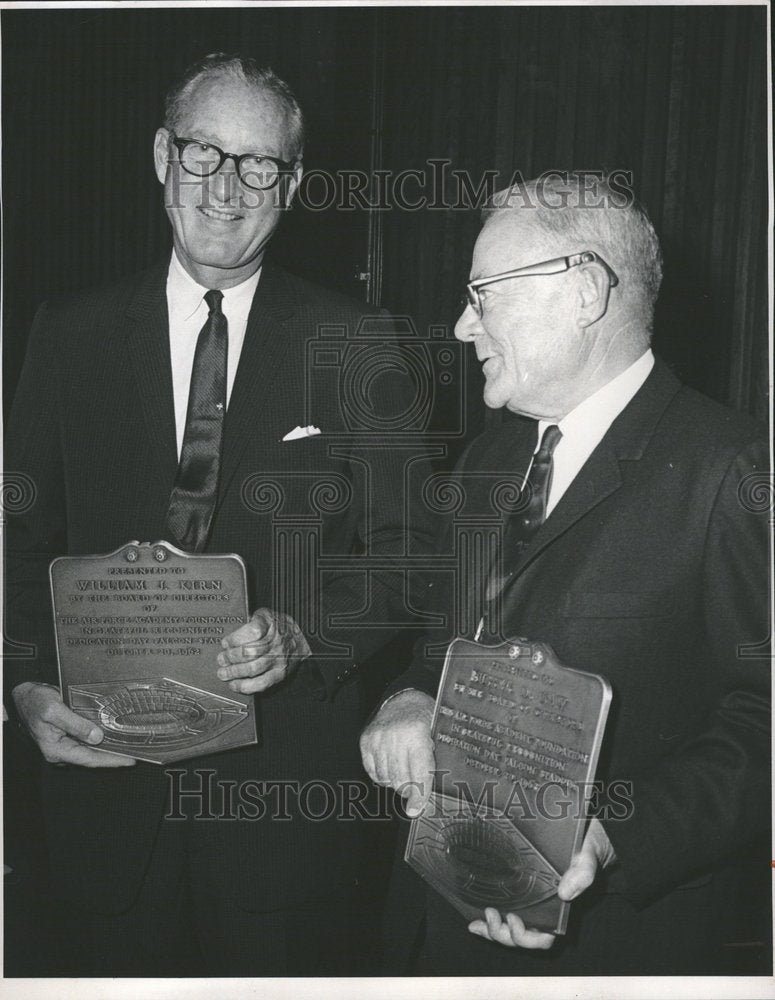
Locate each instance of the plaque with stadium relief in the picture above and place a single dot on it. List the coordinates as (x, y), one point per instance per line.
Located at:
(138, 632)
(517, 737)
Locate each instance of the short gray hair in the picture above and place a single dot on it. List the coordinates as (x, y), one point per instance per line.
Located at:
(574, 214)
(244, 69)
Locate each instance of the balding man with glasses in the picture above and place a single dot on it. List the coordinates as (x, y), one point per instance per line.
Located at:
(145, 411)
(639, 558)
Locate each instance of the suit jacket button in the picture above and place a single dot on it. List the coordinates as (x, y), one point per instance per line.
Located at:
(345, 673)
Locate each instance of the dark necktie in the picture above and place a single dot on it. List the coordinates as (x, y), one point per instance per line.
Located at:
(196, 486)
(524, 523)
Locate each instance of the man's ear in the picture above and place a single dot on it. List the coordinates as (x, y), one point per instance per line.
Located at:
(161, 153)
(292, 182)
(593, 290)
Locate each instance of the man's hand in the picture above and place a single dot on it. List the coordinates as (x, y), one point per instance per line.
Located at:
(397, 748)
(262, 653)
(63, 736)
(596, 852)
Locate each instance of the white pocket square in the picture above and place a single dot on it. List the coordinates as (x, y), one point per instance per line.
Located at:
(301, 432)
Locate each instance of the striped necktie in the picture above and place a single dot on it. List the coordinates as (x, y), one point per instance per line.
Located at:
(525, 522)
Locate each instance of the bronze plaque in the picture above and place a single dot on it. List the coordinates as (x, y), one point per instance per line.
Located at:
(517, 736)
(138, 632)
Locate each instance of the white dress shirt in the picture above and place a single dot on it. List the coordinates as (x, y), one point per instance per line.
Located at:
(585, 426)
(187, 315)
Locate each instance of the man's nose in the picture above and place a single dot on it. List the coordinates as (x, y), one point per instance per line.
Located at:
(224, 183)
(469, 326)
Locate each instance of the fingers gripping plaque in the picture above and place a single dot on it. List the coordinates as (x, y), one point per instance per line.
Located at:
(517, 737)
(138, 633)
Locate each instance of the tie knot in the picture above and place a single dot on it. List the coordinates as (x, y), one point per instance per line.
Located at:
(213, 298)
(550, 439)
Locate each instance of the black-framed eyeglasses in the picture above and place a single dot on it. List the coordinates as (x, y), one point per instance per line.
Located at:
(554, 266)
(256, 170)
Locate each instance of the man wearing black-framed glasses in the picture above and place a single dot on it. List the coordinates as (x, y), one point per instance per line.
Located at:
(170, 405)
(635, 556)
(224, 207)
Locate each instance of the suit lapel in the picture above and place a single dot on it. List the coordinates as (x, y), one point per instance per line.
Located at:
(601, 474)
(267, 338)
(598, 479)
(149, 348)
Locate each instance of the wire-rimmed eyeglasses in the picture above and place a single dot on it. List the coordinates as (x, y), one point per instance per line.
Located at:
(554, 266)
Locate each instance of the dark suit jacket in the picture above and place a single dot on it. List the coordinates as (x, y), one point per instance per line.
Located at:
(93, 429)
(652, 571)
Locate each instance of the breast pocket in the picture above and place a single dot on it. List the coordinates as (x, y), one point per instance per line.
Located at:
(617, 604)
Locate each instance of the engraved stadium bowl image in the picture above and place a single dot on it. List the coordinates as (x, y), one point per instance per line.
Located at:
(487, 863)
(139, 708)
(155, 712)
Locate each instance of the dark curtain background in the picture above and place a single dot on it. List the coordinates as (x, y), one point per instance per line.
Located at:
(83, 95)
(675, 95)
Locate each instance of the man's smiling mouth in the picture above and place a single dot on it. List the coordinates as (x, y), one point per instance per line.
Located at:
(219, 216)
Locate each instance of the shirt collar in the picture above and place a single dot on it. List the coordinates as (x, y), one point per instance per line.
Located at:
(185, 295)
(594, 415)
